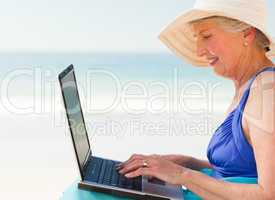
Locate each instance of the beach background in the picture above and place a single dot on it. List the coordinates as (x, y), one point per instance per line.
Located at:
(136, 96)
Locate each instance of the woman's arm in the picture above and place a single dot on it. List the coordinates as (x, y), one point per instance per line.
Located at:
(204, 186)
(188, 161)
(259, 114)
(197, 164)
(185, 161)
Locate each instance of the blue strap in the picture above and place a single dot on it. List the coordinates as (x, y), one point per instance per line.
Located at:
(243, 146)
(247, 90)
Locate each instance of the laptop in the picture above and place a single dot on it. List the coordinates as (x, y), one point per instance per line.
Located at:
(99, 174)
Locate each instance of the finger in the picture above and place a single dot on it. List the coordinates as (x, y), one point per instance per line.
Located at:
(118, 166)
(156, 156)
(140, 172)
(134, 156)
(134, 165)
(131, 159)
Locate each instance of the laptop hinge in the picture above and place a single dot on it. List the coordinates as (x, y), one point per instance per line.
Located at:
(87, 158)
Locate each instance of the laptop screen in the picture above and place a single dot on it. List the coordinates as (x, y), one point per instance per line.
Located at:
(74, 114)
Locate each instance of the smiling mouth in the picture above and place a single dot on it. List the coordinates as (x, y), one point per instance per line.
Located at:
(214, 61)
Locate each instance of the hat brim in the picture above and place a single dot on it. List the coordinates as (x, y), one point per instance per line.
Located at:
(179, 37)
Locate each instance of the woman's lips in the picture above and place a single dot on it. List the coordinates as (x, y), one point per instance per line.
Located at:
(214, 61)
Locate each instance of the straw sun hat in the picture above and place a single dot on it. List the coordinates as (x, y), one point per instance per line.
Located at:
(178, 35)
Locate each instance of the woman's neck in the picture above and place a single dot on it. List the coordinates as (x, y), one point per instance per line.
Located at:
(249, 67)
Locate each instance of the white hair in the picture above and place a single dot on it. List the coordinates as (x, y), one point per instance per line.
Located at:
(234, 25)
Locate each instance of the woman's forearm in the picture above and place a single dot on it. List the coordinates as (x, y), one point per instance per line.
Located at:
(197, 164)
(204, 186)
(188, 161)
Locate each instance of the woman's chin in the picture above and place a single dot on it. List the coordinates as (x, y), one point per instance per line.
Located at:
(219, 70)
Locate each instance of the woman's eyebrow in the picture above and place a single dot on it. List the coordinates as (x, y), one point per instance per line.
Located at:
(204, 30)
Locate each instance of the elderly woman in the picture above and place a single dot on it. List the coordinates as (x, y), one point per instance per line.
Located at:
(229, 36)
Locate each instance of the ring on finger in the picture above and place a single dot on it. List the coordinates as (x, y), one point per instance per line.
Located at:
(144, 163)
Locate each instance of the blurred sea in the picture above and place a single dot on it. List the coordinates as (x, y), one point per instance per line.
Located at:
(100, 74)
(132, 102)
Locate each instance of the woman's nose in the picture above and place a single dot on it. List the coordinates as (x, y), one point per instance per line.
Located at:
(201, 51)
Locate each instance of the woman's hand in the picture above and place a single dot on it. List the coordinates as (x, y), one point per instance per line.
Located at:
(154, 165)
(177, 159)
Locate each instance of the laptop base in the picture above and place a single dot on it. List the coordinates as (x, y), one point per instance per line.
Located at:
(119, 192)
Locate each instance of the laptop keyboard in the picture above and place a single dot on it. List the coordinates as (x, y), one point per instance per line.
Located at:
(104, 172)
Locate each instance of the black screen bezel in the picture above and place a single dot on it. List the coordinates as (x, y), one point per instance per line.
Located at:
(63, 74)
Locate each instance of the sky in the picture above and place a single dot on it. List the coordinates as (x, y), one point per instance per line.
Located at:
(89, 25)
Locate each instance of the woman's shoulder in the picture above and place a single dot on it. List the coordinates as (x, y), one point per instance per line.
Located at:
(264, 78)
(263, 82)
(260, 108)
(262, 87)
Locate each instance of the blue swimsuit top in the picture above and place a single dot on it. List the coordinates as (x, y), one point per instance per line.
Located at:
(228, 151)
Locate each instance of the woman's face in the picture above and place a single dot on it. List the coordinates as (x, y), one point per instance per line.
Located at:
(222, 48)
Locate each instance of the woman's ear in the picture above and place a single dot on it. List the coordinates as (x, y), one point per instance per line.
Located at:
(249, 35)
